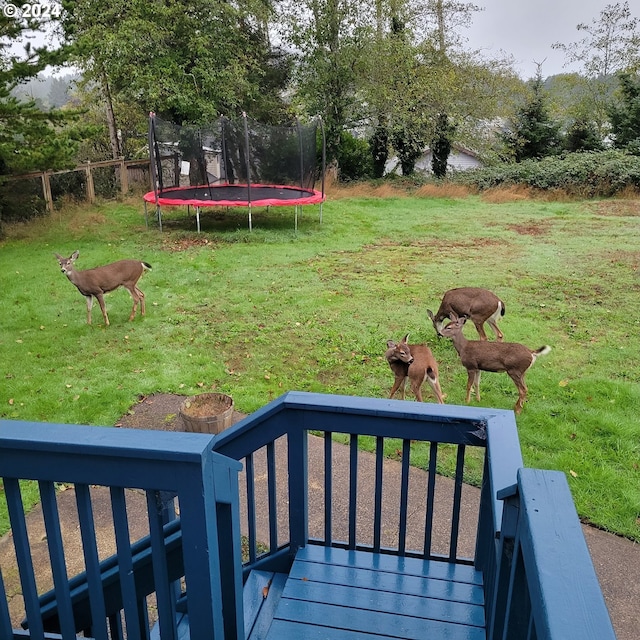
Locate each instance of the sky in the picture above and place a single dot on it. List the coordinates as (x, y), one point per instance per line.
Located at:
(527, 30)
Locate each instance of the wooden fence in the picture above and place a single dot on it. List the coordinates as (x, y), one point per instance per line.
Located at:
(127, 171)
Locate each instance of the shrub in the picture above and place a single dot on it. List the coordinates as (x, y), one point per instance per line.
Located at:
(354, 158)
(586, 174)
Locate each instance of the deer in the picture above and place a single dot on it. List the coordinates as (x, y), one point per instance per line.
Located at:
(478, 355)
(416, 363)
(480, 305)
(94, 283)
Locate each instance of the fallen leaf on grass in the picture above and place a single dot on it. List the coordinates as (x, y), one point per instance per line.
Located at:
(573, 473)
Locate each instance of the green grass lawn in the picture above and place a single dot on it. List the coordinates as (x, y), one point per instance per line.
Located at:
(257, 314)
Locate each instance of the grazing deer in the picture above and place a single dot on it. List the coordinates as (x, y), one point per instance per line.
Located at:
(479, 355)
(94, 283)
(416, 362)
(480, 305)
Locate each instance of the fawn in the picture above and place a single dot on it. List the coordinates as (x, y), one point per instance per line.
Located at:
(415, 362)
(480, 305)
(94, 283)
(480, 355)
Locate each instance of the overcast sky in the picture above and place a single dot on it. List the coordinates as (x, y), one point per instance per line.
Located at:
(527, 30)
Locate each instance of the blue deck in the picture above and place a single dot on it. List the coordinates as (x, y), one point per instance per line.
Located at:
(405, 559)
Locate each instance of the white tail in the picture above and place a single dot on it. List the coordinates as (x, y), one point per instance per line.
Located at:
(478, 355)
(415, 362)
(479, 305)
(94, 283)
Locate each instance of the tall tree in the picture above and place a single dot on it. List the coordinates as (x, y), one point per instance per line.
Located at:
(625, 114)
(328, 37)
(30, 139)
(611, 44)
(533, 133)
(189, 62)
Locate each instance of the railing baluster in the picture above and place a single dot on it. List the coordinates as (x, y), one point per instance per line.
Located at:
(5, 619)
(272, 493)
(431, 490)
(251, 506)
(457, 501)
(404, 497)
(164, 589)
(23, 555)
(328, 487)
(377, 509)
(125, 564)
(56, 556)
(353, 489)
(91, 563)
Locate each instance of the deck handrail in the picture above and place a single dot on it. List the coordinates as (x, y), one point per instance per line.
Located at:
(547, 586)
(182, 464)
(295, 414)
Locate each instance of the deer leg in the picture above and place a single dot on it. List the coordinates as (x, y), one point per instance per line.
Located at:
(415, 387)
(435, 385)
(89, 305)
(480, 330)
(133, 290)
(396, 386)
(471, 374)
(493, 323)
(141, 298)
(103, 308)
(473, 381)
(522, 390)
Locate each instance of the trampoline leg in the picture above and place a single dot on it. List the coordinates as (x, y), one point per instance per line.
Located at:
(198, 218)
(146, 215)
(159, 215)
(250, 225)
(295, 226)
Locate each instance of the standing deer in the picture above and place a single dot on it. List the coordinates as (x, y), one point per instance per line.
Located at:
(94, 283)
(478, 355)
(480, 305)
(416, 362)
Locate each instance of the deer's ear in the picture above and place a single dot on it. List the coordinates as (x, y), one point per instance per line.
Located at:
(75, 254)
(406, 337)
(430, 313)
(391, 344)
(454, 316)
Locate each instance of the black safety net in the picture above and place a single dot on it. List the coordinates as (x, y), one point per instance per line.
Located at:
(233, 152)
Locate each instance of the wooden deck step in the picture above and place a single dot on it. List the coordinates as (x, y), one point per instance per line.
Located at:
(260, 596)
(333, 594)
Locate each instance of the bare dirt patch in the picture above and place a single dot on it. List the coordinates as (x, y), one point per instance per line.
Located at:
(617, 208)
(184, 244)
(531, 228)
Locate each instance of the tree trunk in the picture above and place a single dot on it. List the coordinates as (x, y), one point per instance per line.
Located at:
(116, 152)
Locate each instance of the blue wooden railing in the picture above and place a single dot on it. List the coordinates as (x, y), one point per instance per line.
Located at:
(299, 487)
(162, 465)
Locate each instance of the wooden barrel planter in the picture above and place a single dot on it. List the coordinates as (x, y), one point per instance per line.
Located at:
(207, 413)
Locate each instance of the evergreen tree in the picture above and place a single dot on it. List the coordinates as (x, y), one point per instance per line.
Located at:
(533, 133)
(441, 146)
(625, 115)
(30, 139)
(583, 135)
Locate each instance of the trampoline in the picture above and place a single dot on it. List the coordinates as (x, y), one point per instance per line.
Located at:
(230, 164)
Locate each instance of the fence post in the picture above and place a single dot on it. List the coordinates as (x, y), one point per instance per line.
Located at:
(124, 177)
(46, 191)
(91, 193)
